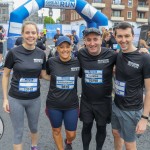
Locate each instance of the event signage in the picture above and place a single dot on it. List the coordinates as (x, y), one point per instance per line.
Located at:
(64, 4)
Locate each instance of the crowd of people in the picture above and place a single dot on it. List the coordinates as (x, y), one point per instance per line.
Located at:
(94, 63)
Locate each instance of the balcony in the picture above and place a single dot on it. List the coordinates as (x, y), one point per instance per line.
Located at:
(117, 6)
(115, 18)
(98, 4)
(143, 8)
(141, 20)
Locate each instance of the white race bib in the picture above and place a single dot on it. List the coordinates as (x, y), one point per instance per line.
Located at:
(28, 84)
(120, 88)
(66, 83)
(94, 76)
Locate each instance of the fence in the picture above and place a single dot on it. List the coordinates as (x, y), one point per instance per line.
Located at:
(8, 44)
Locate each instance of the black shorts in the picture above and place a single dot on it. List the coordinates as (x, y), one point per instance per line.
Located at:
(100, 112)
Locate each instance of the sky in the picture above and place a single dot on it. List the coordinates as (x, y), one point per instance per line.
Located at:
(56, 12)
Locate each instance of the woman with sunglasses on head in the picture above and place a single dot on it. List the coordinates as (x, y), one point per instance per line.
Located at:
(28, 63)
(62, 100)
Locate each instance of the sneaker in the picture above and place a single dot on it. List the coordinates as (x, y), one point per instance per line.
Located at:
(34, 148)
(68, 146)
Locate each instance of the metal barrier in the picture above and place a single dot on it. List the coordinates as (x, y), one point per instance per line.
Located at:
(8, 44)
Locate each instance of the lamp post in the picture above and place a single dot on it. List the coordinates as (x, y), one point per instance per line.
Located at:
(50, 14)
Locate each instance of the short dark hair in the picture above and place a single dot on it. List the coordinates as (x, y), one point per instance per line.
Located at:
(124, 25)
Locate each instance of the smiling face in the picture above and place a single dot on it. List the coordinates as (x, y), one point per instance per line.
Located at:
(124, 38)
(30, 35)
(93, 43)
(64, 50)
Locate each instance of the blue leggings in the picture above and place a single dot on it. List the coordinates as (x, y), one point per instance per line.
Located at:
(70, 118)
(17, 109)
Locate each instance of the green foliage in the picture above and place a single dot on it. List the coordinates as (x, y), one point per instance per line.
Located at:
(48, 20)
(58, 20)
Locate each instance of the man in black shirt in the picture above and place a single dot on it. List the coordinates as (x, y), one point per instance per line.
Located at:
(56, 36)
(96, 100)
(129, 117)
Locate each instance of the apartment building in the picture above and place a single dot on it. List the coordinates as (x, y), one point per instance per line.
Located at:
(137, 12)
(4, 13)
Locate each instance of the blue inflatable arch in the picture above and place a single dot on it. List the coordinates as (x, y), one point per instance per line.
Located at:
(92, 16)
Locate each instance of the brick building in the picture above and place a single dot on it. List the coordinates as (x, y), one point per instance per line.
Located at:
(137, 12)
(4, 12)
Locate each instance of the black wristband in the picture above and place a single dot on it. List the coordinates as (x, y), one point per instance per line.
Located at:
(144, 117)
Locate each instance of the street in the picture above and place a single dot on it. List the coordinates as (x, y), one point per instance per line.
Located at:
(45, 135)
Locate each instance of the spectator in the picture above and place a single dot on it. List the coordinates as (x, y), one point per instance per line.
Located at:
(75, 37)
(57, 35)
(1, 46)
(105, 39)
(145, 43)
(112, 42)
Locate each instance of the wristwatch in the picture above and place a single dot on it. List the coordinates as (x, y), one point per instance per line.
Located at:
(144, 117)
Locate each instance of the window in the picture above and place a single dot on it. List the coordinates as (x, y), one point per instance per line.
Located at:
(3, 11)
(116, 13)
(117, 2)
(76, 15)
(141, 15)
(72, 16)
(63, 17)
(129, 15)
(130, 3)
(97, 1)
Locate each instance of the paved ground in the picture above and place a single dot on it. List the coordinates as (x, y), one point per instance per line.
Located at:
(45, 135)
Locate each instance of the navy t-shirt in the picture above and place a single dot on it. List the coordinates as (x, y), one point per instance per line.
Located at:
(97, 74)
(131, 70)
(27, 66)
(63, 85)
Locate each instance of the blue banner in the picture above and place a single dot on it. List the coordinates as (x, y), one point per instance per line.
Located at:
(51, 30)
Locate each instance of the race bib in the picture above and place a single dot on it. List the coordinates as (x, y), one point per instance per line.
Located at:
(120, 88)
(66, 83)
(94, 76)
(28, 84)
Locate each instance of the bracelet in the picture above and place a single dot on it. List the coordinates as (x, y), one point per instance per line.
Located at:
(144, 117)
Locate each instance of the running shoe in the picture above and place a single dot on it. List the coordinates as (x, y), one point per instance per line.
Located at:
(34, 148)
(68, 146)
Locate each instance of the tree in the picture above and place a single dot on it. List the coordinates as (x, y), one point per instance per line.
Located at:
(48, 20)
(58, 20)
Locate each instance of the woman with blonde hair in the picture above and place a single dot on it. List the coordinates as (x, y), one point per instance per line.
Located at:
(105, 39)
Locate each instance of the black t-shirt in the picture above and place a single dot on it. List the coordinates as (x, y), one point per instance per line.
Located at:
(27, 66)
(131, 70)
(97, 75)
(19, 41)
(113, 43)
(63, 85)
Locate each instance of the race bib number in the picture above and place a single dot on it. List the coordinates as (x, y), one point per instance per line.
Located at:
(94, 76)
(66, 83)
(28, 84)
(120, 88)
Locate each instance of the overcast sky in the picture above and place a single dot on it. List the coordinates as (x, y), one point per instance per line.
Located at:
(56, 12)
